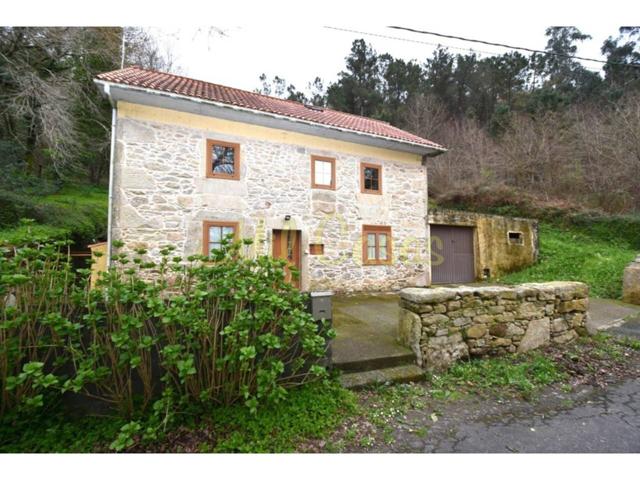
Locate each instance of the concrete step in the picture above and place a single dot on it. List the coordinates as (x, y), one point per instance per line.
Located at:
(364, 364)
(397, 374)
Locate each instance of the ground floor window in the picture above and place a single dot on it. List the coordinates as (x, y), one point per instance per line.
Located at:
(214, 232)
(376, 245)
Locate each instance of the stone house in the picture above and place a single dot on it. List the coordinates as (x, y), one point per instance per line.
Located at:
(343, 198)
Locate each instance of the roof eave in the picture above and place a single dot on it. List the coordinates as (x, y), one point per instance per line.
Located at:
(158, 98)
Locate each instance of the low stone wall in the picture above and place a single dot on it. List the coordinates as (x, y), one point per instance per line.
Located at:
(631, 282)
(442, 325)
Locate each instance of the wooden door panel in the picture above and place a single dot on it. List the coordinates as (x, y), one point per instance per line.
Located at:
(286, 245)
(452, 258)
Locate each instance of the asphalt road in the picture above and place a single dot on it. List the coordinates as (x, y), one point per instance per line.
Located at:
(587, 421)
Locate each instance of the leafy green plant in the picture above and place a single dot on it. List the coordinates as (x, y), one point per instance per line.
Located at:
(173, 335)
(37, 316)
(309, 411)
(114, 354)
(237, 330)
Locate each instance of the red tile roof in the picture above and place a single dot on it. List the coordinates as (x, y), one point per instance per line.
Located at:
(166, 82)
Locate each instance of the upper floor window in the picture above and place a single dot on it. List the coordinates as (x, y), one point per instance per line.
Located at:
(371, 178)
(223, 160)
(323, 172)
(376, 245)
(214, 232)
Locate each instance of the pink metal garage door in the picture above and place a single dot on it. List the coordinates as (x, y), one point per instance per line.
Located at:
(452, 254)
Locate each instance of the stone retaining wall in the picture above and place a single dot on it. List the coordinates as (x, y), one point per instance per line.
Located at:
(442, 325)
(631, 282)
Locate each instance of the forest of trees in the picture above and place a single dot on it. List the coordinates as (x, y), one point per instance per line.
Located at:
(54, 125)
(541, 125)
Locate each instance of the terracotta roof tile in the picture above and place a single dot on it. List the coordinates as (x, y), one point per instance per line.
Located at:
(166, 82)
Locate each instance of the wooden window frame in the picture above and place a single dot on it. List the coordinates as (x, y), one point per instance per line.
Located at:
(330, 160)
(215, 223)
(236, 160)
(364, 165)
(376, 229)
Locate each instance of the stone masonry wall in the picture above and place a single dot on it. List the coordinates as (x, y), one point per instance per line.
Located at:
(162, 196)
(442, 325)
(631, 282)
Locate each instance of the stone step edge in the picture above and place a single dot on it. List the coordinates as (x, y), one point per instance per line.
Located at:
(398, 374)
(375, 363)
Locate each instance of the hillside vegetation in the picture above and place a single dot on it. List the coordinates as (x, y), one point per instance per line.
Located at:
(580, 254)
(77, 212)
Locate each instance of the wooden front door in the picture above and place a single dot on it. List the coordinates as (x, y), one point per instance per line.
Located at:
(286, 245)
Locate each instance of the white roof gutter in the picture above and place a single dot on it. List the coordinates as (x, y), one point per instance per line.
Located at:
(118, 91)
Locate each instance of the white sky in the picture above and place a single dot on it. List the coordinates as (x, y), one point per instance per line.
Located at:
(298, 52)
(285, 37)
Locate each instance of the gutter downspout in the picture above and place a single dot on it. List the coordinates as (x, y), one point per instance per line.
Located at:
(112, 156)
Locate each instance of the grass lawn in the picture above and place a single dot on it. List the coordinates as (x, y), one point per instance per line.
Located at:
(574, 254)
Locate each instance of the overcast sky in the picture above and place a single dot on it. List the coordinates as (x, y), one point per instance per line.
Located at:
(287, 38)
(300, 51)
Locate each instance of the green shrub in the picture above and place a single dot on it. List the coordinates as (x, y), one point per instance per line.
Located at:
(36, 317)
(223, 328)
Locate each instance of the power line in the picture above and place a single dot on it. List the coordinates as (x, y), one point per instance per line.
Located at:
(512, 47)
(404, 39)
(421, 42)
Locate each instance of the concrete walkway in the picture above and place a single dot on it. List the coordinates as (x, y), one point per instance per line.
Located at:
(366, 327)
(605, 314)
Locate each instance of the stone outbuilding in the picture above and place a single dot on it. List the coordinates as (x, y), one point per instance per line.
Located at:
(467, 246)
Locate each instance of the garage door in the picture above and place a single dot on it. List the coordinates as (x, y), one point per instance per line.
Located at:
(452, 254)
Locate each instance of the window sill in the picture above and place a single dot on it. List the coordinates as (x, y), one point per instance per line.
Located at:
(224, 177)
